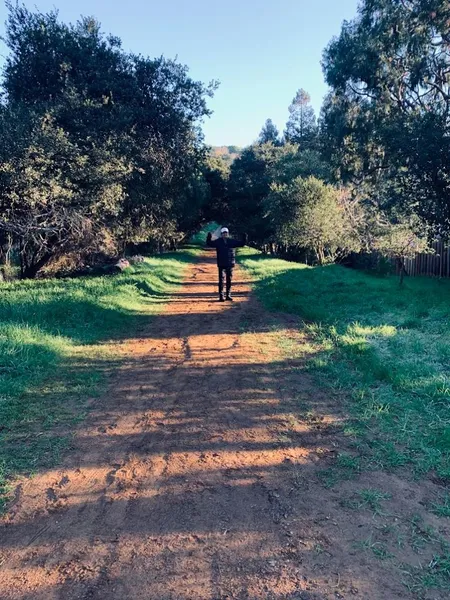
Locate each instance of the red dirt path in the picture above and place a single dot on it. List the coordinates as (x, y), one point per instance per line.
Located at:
(193, 479)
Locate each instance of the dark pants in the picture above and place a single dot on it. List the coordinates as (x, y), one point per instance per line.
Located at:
(225, 273)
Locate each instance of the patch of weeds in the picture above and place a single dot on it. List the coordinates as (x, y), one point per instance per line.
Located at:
(378, 549)
(421, 534)
(292, 420)
(366, 499)
(329, 477)
(346, 467)
(372, 498)
(392, 531)
(312, 418)
(350, 464)
(298, 478)
(442, 509)
(388, 455)
(433, 575)
(317, 363)
(353, 429)
(319, 549)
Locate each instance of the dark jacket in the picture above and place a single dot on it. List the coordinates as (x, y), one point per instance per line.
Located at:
(226, 254)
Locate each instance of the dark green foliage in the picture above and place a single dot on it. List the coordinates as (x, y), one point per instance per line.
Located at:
(387, 119)
(100, 148)
(248, 186)
(269, 133)
(308, 214)
(301, 127)
(251, 179)
(216, 175)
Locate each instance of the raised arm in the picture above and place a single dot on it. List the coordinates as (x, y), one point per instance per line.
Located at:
(210, 242)
(239, 243)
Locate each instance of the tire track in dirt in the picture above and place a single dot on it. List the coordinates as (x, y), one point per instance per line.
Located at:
(192, 479)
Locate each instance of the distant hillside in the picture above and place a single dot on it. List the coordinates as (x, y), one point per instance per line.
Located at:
(227, 153)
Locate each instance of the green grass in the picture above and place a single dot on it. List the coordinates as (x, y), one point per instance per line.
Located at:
(385, 346)
(442, 508)
(368, 498)
(54, 353)
(434, 574)
(378, 548)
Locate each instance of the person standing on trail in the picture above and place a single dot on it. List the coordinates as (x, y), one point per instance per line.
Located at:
(226, 259)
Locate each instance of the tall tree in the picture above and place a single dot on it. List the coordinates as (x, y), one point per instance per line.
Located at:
(388, 116)
(301, 127)
(269, 133)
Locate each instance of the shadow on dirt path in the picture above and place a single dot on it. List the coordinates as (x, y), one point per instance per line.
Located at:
(193, 478)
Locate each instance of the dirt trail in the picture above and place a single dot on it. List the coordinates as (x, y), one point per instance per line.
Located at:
(192, 479)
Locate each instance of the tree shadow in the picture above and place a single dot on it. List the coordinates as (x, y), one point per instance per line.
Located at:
(200, 469)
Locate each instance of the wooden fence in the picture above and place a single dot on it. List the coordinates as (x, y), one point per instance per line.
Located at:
(436, 264)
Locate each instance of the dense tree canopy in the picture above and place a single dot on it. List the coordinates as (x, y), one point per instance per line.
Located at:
(388, 115)
(308, 214)
(101, 147)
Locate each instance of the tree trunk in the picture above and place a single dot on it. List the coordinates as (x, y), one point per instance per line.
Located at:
(403, 271)
(8, 252)
(320, 255)
(31, 269)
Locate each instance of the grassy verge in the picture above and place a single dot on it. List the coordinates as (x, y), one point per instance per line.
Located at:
(55, 348)
(389, 346)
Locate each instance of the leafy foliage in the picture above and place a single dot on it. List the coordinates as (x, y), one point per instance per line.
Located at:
(386, 120)
(401, 241)
(260, 178)
(102, 148)
(216, 175)
(312, 215)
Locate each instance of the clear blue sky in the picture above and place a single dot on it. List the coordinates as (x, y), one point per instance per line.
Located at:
(262, 51)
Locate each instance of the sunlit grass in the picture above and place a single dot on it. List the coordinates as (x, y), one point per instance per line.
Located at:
(388, 346)
(54, 352)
